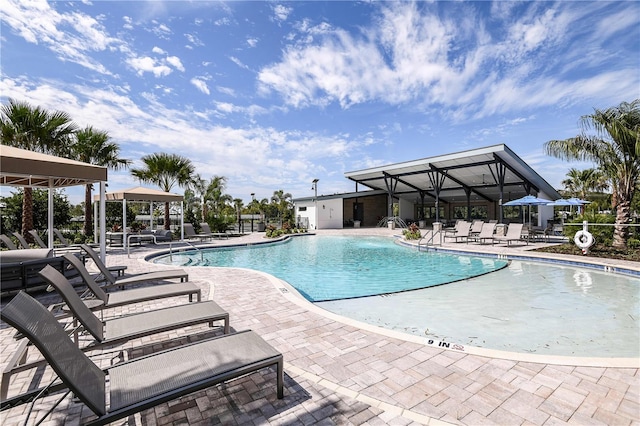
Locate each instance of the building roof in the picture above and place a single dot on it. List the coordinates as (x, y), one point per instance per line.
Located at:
(476, 171)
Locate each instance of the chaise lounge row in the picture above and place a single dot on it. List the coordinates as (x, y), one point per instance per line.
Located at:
(141, 383)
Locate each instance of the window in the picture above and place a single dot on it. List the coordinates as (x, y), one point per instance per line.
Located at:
(302, 209)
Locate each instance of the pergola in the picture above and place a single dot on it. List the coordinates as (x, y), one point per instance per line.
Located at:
(491, 174)
(146, 195)
(24, 168)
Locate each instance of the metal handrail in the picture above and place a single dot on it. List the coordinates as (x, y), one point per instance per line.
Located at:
(430, 240)
(189, 244)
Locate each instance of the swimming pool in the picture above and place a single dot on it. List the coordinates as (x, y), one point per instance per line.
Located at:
(526, 307)
(334, 267)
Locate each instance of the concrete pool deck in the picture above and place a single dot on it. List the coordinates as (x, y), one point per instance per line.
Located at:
(338, 371)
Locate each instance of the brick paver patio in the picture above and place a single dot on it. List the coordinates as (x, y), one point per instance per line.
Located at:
(337, 372)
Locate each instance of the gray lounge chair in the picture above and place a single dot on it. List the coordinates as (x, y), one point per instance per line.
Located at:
(144, 382)
(190, 233)
(23, 243)
(8, 242)
(106, 273)
(64, 243)
(136, 295)
(121, 329)
(37, 239)
(206, 230)
(115, 330)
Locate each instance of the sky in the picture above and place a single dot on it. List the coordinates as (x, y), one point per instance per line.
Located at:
(274, 94)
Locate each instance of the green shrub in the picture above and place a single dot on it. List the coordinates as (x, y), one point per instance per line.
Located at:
(412, 233)
(633, 243)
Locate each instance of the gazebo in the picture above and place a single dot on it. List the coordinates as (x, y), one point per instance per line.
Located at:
(141, 194)
(24, 168)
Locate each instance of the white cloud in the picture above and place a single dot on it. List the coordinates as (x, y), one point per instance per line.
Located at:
(158, 50)
(200, 84)
(465, 64)
(238, 62)
(72, 36)
(175, 62)
(281, 12)
(252, 42)
(147, 64)
(194, 40)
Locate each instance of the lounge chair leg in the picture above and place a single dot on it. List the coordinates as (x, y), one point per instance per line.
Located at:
(280, 379)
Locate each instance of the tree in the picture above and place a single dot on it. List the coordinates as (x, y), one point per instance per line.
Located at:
(615, 149)
(282, 202)
(165, 170)
(580, 183)
(33, 128)
(94, 147)
(13, 205)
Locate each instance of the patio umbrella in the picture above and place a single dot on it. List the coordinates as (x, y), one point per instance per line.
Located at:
(528, 200)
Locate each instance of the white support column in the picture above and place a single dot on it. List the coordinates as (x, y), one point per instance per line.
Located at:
(95, 222)
(103, 222)
(124, 223)
(182, 220)
(50, 213)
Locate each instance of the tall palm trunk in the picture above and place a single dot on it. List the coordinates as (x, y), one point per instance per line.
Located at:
(88, 217)
(621, 227)
(27, 213)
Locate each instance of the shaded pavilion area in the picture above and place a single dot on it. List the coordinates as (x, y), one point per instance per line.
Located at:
(492, 176)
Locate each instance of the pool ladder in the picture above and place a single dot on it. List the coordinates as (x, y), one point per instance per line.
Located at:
(189, 244)
(429, 239)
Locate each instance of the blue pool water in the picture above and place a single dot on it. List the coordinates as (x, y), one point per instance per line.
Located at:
(524, 307)
(334, 267)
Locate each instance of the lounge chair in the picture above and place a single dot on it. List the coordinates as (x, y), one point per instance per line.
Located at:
(476, 227)
(23, 243)
(190, 233)
(65, 244)
(143, 382)
(514, 233)
(136, 295)
(106, 272)
(121, 329)
(37, 239)
(486, 233)
(116, 330)
(8, 242)
(206, 230)
(463, 228)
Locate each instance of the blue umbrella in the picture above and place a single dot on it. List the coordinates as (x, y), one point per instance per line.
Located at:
(528, 200)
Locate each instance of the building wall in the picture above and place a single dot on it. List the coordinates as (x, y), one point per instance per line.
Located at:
(330, 214)
(307, 214)
(373, 206)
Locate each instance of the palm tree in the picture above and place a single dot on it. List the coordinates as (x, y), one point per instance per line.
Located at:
(215, 195)
(36, 129)
(165, 170)
(282, 201)
(94, 147)
(580, 183)
(615, 149)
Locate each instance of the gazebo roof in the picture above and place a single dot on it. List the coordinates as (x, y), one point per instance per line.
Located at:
(140, 193)
(21, 167)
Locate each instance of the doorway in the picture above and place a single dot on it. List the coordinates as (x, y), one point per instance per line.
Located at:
(358, 212)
